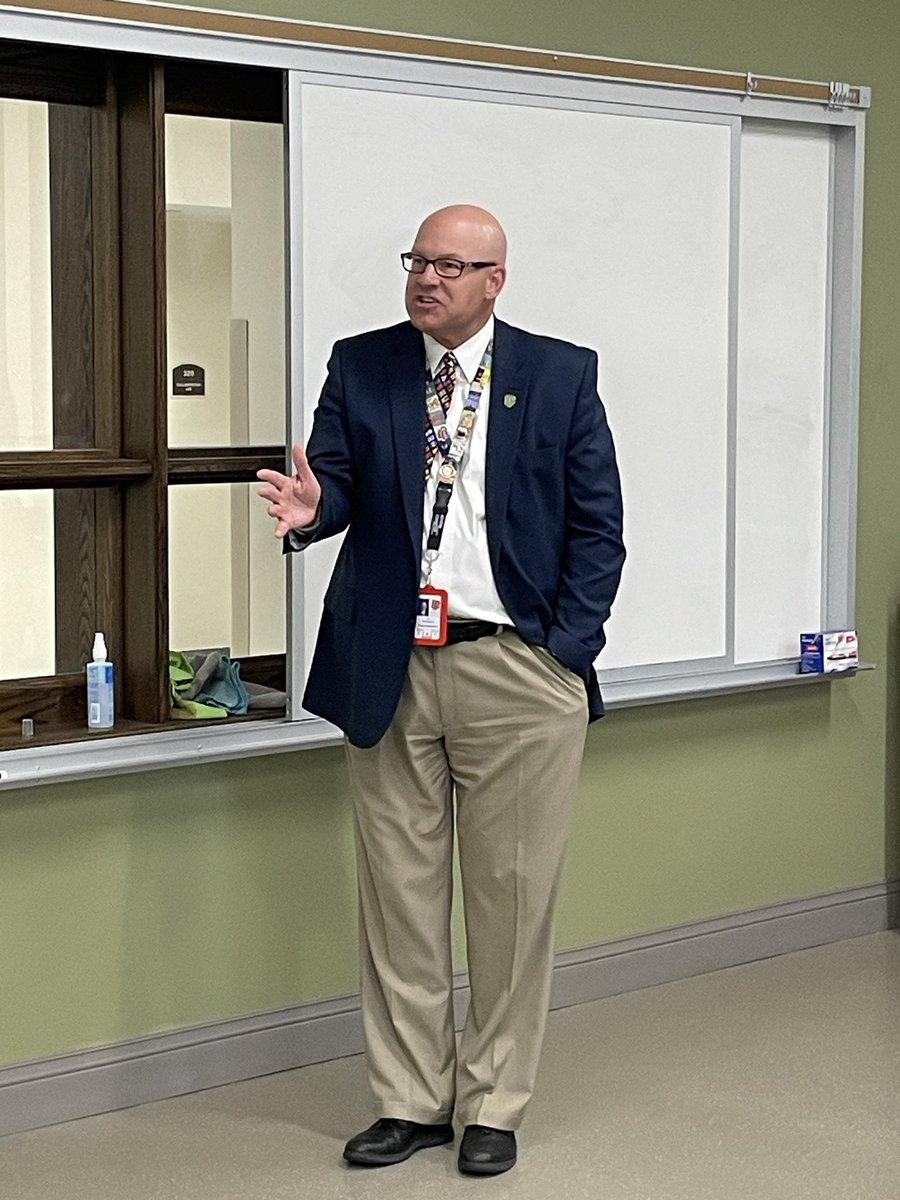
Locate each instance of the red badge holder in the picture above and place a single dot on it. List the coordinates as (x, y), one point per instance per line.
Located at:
(431, 617)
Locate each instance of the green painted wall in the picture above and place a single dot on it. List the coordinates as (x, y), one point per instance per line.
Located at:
(150, 902)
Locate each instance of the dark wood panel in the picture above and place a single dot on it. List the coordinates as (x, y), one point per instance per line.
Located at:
(56, 734)
(143, 287)
(88, 560)
(221, 465)
(55, 74)
(220, 90)
(109, 590)
(67, 469)
(71, 275)
(105, 241)
(268, 669)
(58, 707)
(49, 701)
(86, 391)
(74, 543)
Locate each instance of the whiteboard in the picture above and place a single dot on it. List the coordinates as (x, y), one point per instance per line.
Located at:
(781, 392)
(619, 230)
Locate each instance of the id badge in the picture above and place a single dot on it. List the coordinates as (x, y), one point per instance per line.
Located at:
(431, 618)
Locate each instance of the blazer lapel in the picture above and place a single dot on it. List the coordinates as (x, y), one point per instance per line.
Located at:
(406, 383)
(509, 395)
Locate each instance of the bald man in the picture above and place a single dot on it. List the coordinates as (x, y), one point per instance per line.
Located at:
(473, 469)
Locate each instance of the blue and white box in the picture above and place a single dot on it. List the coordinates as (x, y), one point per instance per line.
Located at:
(831, 650)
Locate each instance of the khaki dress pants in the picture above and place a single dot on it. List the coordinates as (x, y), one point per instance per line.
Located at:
(496, 729)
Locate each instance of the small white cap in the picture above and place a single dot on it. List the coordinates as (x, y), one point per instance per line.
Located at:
(99, 648)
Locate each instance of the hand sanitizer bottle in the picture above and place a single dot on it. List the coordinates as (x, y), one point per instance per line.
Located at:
(100, 699)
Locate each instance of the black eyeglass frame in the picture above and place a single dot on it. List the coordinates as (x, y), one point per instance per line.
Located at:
(407, 258)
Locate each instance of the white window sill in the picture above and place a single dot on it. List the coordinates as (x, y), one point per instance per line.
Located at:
(176, 748)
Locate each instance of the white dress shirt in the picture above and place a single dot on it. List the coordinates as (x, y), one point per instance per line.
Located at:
(463, 566)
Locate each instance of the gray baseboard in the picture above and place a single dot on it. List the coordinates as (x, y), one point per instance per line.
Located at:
(83, 1084)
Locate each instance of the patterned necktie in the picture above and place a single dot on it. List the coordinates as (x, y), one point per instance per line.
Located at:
(444, 383)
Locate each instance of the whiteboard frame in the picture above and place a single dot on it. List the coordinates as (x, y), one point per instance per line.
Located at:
(394, 71)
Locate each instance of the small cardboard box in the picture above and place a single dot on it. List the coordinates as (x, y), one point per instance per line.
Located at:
(831, 650)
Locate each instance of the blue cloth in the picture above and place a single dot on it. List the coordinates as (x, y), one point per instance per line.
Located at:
(217, 681)
(554, 513)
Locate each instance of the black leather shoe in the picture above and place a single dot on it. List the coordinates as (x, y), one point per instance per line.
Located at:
(486, 1151)
(391, 1140)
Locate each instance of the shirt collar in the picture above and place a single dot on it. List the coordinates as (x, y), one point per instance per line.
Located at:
(468, 355)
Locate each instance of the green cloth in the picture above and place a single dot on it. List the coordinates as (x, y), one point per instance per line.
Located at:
(181, 679)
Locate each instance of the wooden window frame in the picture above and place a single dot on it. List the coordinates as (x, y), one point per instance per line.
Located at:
(110, 467)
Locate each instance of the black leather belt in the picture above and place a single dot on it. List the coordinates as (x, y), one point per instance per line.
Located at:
(471, 631)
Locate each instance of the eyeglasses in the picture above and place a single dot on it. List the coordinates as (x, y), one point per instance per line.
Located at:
(447, 268)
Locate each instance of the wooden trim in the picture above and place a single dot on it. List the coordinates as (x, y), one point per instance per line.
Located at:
(105, 225)
(413, 45)
(58, 705)
(88, 560)
(221, 465)
(67, 469)
(64, 733)
(109, 598)
(268, 669)
(202, 89)
(143, 292)
(84, 274)
(71, 275)
(49, 701)
(74, 552)
(86, 395)
(52, 74)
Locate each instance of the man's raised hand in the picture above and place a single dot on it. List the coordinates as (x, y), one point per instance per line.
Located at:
(293, 501)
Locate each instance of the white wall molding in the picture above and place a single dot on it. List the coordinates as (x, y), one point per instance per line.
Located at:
(68, 1086)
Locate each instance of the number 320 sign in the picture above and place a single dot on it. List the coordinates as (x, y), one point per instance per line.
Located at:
(188, 380)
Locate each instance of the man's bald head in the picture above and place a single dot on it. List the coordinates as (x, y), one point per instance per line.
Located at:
(451, 310)
(475, 226)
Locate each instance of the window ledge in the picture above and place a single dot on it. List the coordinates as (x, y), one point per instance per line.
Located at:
(699, 685)
(170, 748)
(167, 748)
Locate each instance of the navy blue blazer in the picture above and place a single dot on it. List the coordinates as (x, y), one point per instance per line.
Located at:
(553, 513)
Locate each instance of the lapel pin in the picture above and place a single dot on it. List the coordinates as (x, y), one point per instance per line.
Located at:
(509, 400)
